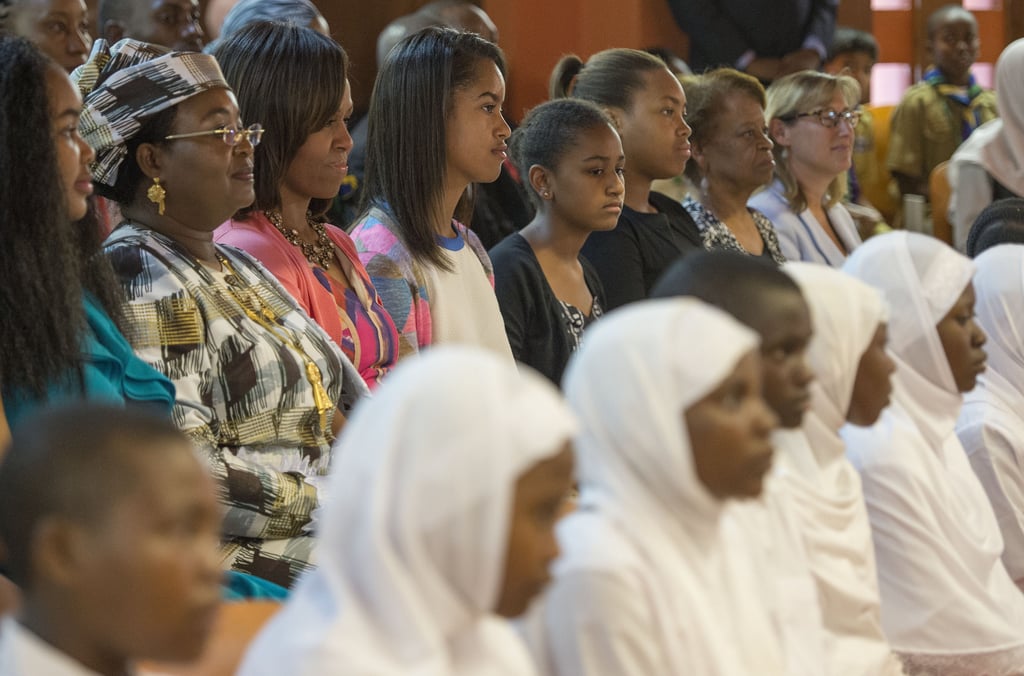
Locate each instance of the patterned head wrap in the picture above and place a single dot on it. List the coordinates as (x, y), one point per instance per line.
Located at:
(136, 80)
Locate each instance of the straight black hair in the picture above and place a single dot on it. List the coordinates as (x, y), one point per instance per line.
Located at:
(407, 130)
(290, 79)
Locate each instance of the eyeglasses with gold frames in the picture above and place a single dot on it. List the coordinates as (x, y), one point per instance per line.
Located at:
(231, 136)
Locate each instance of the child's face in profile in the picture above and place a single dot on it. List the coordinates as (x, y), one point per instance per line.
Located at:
(148, 583)
(857, 65)
(730, 433)
(538, 502)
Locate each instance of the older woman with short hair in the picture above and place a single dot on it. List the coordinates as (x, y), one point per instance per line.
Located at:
(811, 117)
(731, 159)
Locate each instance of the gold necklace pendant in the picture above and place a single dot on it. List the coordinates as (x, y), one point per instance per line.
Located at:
(320, 396)
(268, 319)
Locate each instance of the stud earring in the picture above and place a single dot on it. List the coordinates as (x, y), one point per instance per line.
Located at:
(546, 194)
(156, 195)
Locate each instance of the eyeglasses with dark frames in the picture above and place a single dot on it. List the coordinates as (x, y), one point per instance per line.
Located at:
(828, 118)
(231, 136)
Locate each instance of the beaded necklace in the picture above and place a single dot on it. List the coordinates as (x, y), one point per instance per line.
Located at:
(321, 253)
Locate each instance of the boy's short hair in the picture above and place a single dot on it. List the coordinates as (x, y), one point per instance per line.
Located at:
(942, 14)
(848, 40)
(71, 462)
(732, 281)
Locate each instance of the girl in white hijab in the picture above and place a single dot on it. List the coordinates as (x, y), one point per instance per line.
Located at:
(948, 605)
(444, 496)
(991, 424)
(852, 371)
(989, 165)
(648, 583)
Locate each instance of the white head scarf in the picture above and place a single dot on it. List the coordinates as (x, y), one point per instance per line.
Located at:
(641, 502)
(991, 424)
(999, 285)
(820, 481)
(998, 145)
(944, 589)
(413, 545)
(922, 279)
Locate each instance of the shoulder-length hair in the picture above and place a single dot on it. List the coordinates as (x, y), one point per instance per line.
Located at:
(799, 93)
(407, 130)
(290, 79)
(46, 261)
(706, 97)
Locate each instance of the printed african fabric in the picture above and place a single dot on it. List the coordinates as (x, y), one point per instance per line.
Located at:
(243, 391)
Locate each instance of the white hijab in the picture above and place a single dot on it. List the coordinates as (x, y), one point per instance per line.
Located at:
(999, 285)
(944, 589)
(820, 481)
(643, 509)
(413, 545)
(998, 145)
(996, 405)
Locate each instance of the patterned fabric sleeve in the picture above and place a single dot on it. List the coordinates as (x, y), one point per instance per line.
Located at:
(166, 330)
(390, 268)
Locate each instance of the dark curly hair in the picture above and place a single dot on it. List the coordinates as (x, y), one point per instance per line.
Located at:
(46, 261)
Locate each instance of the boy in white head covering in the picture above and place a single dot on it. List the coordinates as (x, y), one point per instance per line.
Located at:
(948, 604)
(444, 498)
(991, 424)
(648, 583)
(847, 354)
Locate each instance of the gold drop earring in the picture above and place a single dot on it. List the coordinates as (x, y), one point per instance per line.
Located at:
(156, 195)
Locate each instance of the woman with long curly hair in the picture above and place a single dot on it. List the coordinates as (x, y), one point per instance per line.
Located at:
(59, 302)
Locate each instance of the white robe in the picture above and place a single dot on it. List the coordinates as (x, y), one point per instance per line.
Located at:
(22, 653)
(413, 544)
(822, 485)
(650, 580)
(948, 603)
(991, 423)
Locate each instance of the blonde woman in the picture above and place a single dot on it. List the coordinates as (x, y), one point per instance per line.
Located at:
(811, 118)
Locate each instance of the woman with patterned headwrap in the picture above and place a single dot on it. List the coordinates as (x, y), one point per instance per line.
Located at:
(262, 390)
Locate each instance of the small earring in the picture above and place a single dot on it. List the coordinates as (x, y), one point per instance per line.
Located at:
(156, 195)
(546, 194)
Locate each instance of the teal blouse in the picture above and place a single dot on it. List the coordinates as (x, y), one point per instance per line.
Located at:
(111, 373)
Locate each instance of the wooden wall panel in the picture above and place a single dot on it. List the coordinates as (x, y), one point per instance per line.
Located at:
(535, 34)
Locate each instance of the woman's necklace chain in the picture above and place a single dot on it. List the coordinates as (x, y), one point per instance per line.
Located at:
(265, 316)
(321, 253)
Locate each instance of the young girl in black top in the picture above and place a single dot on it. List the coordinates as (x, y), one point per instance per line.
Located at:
(648, 106)
(571, 161)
